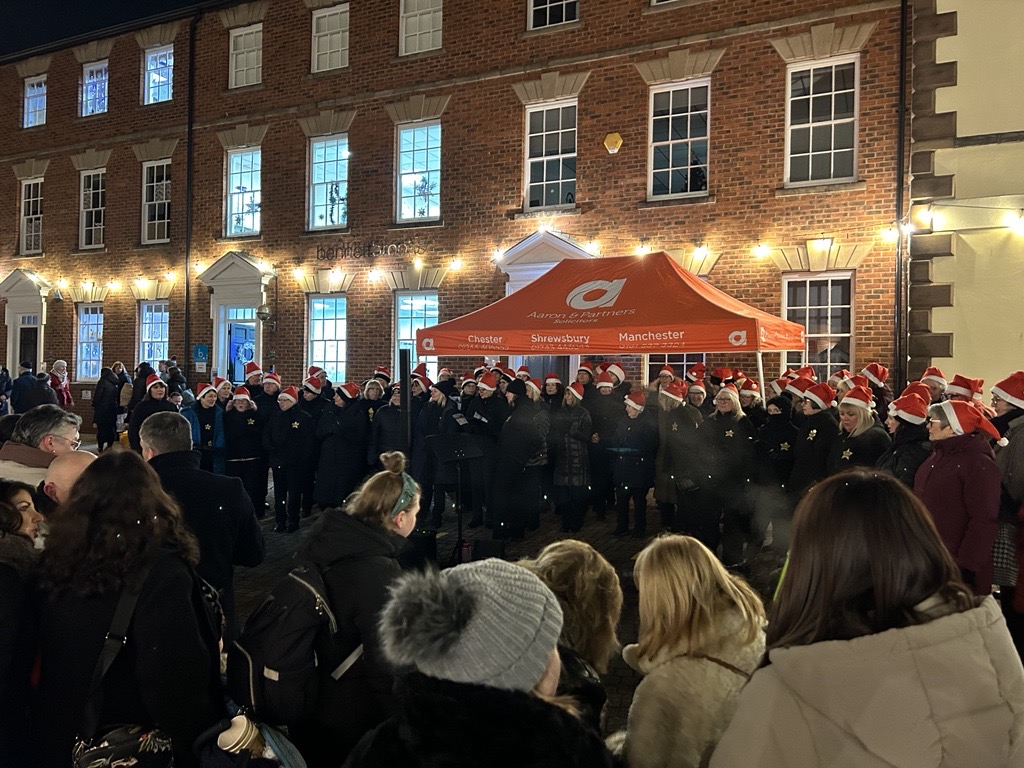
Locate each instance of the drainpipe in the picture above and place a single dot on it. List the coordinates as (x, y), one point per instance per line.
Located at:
(189, 170)
(902, 324)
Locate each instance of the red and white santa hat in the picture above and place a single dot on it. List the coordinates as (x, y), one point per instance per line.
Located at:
(698, 386)
(789, 373)
(1011, 389)
(423, 379)
(750, 387)
(858, 380)
(522, 370)
(577, 389)
(202, 388)
(534, 384)
(312, 384)
(289, 393)
(420, 369)
(722, 374)
(860, 397)
(218, 382)
(552, 378)
(839, 376)
(242, 393)
(821, 395)
(965, 387)
(738, 377)
(315, 370)
(933, 374)
(605, 380)
(616, 370)
(480, 369)
(154, 378)
(252, 368)
(667, 370)
(635, 399)
(272, 377)
(917, 388)
(675, 390)
(467, 378)
(383, 372)
(911, 408)
(778, 386)
(442, 371)
(799, 386)
(807, 372)
(349, 390)
(876, 373)
(599, 369)
(964, 418)
(697, 372)
(488, 382)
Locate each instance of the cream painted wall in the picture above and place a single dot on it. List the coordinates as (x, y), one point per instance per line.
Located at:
(986, 171)
(989, 51)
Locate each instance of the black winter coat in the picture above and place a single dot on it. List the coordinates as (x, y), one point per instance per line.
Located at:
(105, 403)
(910, 447)
(442, 724)
(142, 373)
(863, 450)
(810, 454)
(142, 411)
(288, 438)
(676, 463)
(606, 411)
(314, 408)
(243, 434)
(775, 444)
(757, 415)
(727, 452)
(342, 464)
(568, 442)
(427, 424)
(387, 433)
(18, 627)
(634, 447)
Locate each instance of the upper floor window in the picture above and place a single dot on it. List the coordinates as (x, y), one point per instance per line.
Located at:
(31, 216)
(821, 121)
(548, 13)
(243, 204)
(246, 65)
(156, 202)
(158, 75)
(678, 158)
(823, 304)
(94, 88)
(328, 184)
(330, 38)
(93, 208)
(420, 26)
(34, 106)
(419, 171)
(154, 330)
(90, 341)
(551, 155)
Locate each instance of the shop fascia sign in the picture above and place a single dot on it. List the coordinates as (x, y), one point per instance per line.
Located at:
(367, 250)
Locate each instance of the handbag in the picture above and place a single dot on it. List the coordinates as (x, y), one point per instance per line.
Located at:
(118, 745)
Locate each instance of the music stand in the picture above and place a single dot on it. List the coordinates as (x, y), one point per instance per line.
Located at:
(455, 448)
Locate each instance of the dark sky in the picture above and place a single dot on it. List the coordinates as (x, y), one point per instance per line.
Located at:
(26, 24)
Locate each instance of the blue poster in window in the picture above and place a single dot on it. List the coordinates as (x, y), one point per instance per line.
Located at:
(201, 353)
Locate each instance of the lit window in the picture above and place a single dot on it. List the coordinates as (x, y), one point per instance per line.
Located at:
(156, 201)
(94, 88)
(420, 26)
(551, 155)
(154, 330)
(328, 185)
(680, 362)
(419, 172)
(243, 204)
(246, 65)
(328, 334)
(93, 208)
(159, 75)
(821, 121)
(548, 13)
(823, 305)
(35, 101)
(330, 38)
(415, 310)
(31, 216)
(678, 158)
(90, 341)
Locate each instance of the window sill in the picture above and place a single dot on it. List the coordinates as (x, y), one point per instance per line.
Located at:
(232, 238)
(346, 230)
(550, 30)
(430, 224)
(94, 115)
(88, 251)
(418, 55)
(25, 256)
(33, 127)
(670, 6)
(243, 89)
(819, 189)
(156, 244)
(327, 72)
(663, 202)
(544, 213)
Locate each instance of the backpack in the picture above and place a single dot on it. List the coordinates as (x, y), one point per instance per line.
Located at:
(273, 667)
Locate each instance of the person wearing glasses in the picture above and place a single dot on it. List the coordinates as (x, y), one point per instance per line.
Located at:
(41, 434)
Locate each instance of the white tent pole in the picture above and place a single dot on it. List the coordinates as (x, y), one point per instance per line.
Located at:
(760, 373)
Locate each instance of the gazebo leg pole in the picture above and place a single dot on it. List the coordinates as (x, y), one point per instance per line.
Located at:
(760, 372)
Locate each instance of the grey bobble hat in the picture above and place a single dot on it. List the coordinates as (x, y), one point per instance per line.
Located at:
(487, 622)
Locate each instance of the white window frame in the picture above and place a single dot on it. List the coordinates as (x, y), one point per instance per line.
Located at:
(320, 340)
(154, 330)
(87, 365)
(680, 361)
(34, 104)
(322, 43)
(671, 143)
(412, 165)
(30, 229)
(89, 212)
(415, 324)
(327, 197)
(156, 200)
(832, 61)
(235, 195)
(413, 15)
(251, 70)
(544, 159)
(789, 358)
(95, 93)
(548, 5)
(159, 91)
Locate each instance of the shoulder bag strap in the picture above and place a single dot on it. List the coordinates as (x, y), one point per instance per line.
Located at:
(721, 663)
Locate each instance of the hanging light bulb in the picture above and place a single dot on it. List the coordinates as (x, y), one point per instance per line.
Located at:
(761, 251)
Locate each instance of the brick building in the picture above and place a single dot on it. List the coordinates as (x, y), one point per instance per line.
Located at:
(361, 169)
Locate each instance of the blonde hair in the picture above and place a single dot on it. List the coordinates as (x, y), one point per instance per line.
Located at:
(533, 394)
(589, 594)
(684, 590)
(865, 419)
(374, 502)
(737, 409)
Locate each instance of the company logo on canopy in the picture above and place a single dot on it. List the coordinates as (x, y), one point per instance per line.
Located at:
(609, 292)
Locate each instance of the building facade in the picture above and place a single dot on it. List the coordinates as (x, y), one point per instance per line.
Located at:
(308, 182)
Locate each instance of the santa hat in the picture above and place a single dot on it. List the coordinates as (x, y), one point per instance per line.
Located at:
(599, 369)
(698, 386)
(523, 369)
(242, 393)
(482, 368)
(964, 418)
(289, 393)
(860, 397)
(1011, 389)
(383, 372)
(635, 399)
(577, 389)
(488, 382)
(349, 390)
(858, 380)
(750, 387)
(820, 395)
(154, 378)
(605, 380)
(272, 377)
(252, 368)
(616, 370)
(738, 376)
(876, 373)
(202, 388)
(779, 385)
(799, 386)
(839, 376)
(675, 390)
(496, 369)
(933, 374)
(467, 379)
(508, 375)
(423, 379)
(696, 372)
(721, 375)
(667, 370)
(789, 373)
(552, 378)
(807, 372)
(919, 389)
(910, 408)
(219, 382)
(534, 384)
(443, 371)
(312, 384)
(420, 369)
(315, 370)
(966, 387)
